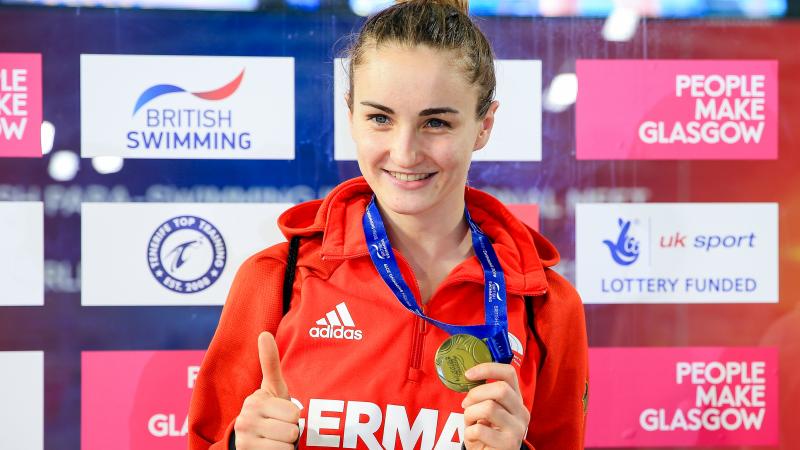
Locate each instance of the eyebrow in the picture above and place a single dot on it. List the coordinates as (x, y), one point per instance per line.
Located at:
(441, 110)
(424, 112)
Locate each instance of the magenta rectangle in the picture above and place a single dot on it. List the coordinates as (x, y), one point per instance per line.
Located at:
(21, 105)
(677, 109)
(136, 400)
(683, 397)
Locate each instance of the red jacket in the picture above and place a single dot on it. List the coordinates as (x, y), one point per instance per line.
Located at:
(362, 365)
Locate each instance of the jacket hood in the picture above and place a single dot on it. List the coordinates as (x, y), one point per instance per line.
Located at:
(523, 252)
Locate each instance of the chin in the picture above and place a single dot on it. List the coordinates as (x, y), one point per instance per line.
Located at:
(408, 208)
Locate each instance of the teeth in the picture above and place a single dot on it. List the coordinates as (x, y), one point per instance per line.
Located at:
(410, 176)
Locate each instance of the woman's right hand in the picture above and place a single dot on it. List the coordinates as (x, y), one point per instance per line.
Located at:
(268, 420)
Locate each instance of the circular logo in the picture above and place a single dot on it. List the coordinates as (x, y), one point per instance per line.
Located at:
(186, 254)
(380, 250)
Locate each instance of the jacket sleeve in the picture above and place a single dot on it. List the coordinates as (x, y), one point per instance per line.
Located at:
(230, 370)
(558, 418)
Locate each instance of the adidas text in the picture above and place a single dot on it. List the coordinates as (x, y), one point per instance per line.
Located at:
(335, 333)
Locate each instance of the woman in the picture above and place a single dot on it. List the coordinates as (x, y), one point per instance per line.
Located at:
(387, 264)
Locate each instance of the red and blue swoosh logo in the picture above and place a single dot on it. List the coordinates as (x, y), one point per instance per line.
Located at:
(158, 90)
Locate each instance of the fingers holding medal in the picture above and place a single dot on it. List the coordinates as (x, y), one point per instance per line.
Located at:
(494, 413)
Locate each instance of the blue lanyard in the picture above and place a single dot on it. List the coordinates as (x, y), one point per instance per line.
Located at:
(495, 331)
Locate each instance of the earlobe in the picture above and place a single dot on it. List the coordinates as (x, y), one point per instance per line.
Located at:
(481, 141)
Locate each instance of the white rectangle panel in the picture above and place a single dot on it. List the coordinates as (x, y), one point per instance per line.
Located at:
(187, 107)
(677, 252)
(22, 247)
(170, 253)
(22, 405)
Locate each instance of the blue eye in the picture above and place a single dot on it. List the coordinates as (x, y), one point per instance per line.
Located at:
(437, 123)
(379, 119)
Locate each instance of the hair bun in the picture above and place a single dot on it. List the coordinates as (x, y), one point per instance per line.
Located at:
(461, 5)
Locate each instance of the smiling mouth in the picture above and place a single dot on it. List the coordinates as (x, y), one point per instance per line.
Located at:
(410, 176)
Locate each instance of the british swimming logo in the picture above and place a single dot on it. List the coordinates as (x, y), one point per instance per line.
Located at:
(186, 254)
(625, 251)
(168, 126)
(158, 90)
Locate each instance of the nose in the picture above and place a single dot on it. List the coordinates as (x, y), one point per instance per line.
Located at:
(404, 151)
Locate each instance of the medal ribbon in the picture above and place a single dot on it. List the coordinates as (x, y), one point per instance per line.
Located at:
(494, 331)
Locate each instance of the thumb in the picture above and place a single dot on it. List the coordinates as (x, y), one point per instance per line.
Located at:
(270, 361)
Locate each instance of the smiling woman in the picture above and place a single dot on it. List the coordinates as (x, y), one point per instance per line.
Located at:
(387, 276)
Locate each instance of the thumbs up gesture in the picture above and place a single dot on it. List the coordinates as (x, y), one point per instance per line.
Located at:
(268, 420)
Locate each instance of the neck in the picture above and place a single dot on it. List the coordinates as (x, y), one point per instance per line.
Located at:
(442, 233)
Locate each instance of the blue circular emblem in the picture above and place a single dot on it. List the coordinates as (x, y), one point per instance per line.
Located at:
(186, 254)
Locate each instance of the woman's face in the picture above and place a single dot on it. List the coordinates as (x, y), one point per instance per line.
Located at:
(413, 121)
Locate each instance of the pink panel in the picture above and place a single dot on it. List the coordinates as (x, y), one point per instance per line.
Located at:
(20, 105)
(677, 109)
(527, 213)
(136, 400)
(687, 397)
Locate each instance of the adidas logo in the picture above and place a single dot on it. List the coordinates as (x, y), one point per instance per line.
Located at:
(337, 324)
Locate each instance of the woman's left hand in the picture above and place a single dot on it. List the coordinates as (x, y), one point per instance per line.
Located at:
(494, 415)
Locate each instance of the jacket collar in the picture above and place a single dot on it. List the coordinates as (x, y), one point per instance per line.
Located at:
(523, 253)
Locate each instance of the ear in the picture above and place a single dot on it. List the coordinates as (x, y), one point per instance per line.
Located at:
(349, 111)
(349, 114)
(486, 126)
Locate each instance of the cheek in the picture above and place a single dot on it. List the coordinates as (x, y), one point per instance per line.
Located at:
(452, 154)
(370, 149)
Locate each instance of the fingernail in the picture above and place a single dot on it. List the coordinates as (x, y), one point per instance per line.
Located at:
(469, 373)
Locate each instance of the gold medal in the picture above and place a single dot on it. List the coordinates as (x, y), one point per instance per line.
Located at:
(456, 355)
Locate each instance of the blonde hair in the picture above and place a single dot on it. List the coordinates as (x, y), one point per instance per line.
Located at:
(439, 24)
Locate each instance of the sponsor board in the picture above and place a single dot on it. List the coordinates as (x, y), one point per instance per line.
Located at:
(170, 253)
(677, 109)
(677, 252)
(20, 105)
(683, 397)
(22, 247)
(517, 132)
(133, 400)
(187, 107)
(22, 405)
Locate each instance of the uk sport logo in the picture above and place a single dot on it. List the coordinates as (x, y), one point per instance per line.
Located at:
(625, 251)
(337, 324)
